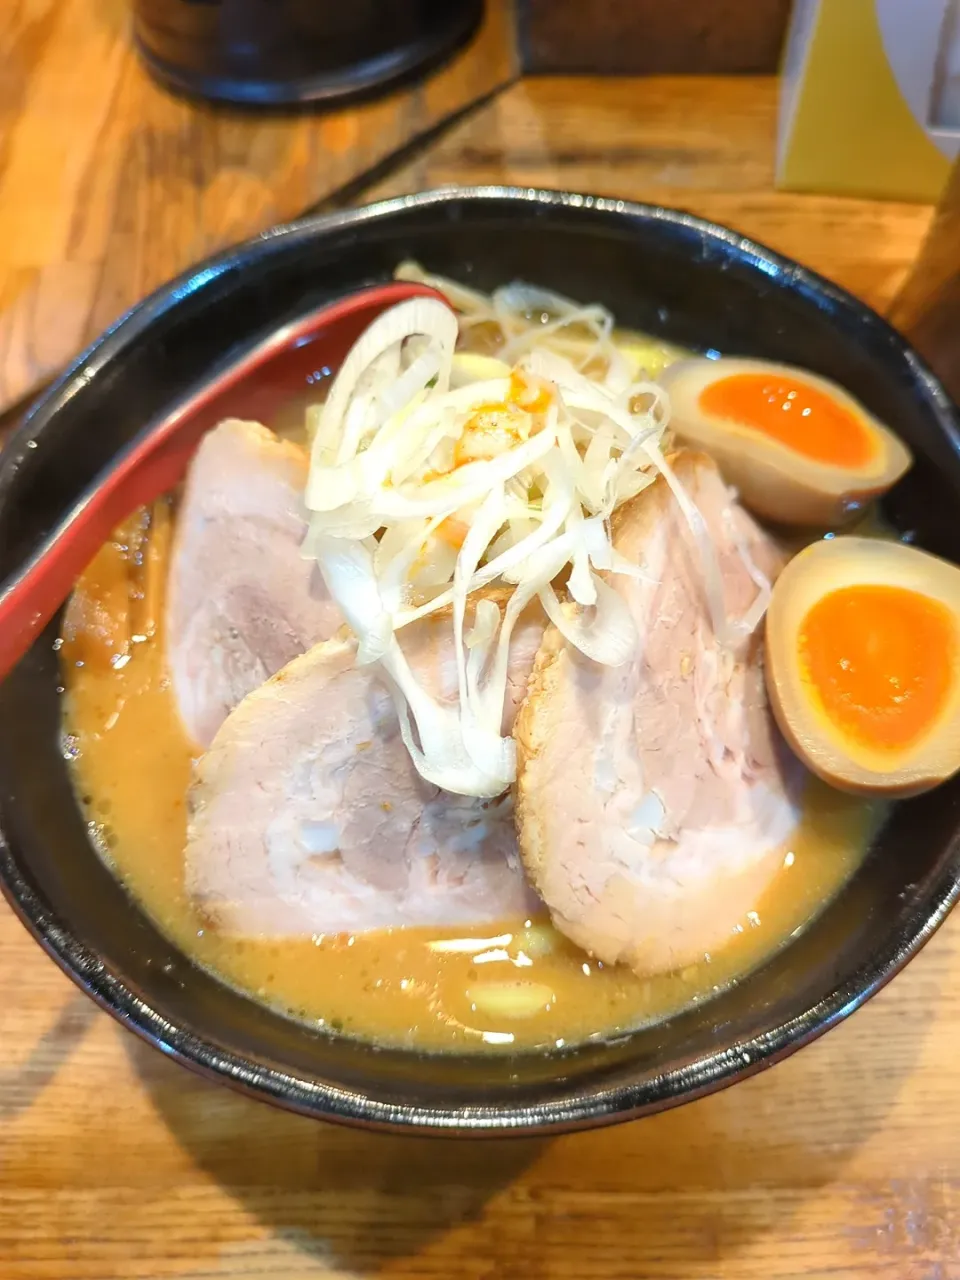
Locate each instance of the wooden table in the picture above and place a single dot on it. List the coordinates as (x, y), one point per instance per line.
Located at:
(842, 1162)
(109, 185)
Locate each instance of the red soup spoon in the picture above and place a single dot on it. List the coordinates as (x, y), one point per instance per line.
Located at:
(255, 385)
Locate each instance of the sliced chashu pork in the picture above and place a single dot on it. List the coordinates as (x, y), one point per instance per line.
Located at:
(241, 600)
(653, 799)
(308, 816)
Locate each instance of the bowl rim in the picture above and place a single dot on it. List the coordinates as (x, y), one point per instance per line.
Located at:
(323, 1100)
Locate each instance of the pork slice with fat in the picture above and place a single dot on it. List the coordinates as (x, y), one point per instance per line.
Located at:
(308, 816)
(654, 799)
(241, 599)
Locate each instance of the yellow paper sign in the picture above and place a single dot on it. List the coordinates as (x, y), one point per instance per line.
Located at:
(870, 98)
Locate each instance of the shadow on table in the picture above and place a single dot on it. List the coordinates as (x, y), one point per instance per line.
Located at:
(670, 1196)
(22, 1085)
(352, 1198)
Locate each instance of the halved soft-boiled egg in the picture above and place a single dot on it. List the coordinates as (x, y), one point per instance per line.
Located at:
(863, 664)
(798, 448)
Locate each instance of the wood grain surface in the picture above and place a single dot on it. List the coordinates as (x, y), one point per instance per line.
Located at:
(698, 142)
(640, 37)
(109, 185)
(843, 1162)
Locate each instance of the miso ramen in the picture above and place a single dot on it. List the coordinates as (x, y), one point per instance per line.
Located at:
(441, 722)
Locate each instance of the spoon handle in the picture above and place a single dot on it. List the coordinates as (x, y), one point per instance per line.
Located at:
(262, 377)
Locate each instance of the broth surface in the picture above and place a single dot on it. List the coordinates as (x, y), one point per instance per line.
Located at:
(511, 984)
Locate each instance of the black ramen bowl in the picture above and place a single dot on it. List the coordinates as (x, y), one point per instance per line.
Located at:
(693, 283)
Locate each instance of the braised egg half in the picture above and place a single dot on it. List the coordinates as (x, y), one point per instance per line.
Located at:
(798, 448)
(863, 664)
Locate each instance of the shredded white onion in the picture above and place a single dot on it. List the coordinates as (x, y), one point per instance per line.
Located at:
(434, 475)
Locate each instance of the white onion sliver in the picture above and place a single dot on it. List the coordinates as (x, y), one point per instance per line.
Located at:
(606, 634)
(534, 498)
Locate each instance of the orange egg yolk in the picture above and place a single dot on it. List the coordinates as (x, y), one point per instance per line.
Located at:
(794, 413)
(881, 659)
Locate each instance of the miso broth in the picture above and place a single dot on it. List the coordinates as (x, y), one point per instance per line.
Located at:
(513, 984)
